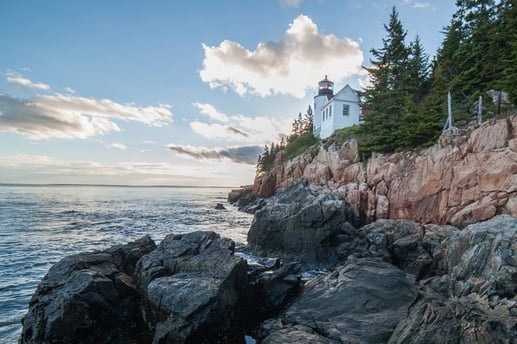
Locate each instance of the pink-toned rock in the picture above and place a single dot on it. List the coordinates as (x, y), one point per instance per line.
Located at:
(462, 179)
(265, 184)
(350, 151)
(490, 136)
(513, 123)
(511, 206)
(475, 212)
(512, 144)
(382, 207)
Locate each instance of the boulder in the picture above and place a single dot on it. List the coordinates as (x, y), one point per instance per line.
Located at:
(482, 258)
(414, 248)
(468, 319)
(89, 298)
(299, 225)
(475, 299)
(360, 302)
(192, 285)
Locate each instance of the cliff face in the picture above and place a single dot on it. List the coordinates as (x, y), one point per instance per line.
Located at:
(462, 179)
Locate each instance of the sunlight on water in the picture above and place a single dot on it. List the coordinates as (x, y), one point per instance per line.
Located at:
(41, 225)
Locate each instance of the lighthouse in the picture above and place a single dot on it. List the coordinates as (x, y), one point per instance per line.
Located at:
(325, 93)
(334, 111)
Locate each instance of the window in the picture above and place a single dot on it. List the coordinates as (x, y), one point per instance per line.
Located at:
(330, 111)
(346, 110)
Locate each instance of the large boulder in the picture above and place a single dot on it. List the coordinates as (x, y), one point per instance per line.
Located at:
(360, 302)
(415, 248)
(192, 285)
(304, 226)
(475, 300)
(482, 259)
(89, 298)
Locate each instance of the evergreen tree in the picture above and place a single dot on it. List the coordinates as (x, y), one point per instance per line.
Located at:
(387, 97)
(418, 72)
(473, 57)
(507, 24)
(308, 121)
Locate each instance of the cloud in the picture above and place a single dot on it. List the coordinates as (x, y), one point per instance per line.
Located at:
(241, 155)
(17, 80)
(239, 128)
(291, 3)
(416, 4)
(421, 5)
(210, 111)
(237, 131)
(289, 66)
(117, 145)
(69, 90)
(70, 116)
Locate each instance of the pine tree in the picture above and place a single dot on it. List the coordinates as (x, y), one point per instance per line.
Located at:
(308, 121)
(507, 17)
(386, 98)
(473, 57)
(418, 72)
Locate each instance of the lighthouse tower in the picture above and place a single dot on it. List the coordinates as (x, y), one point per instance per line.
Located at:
(325, 93)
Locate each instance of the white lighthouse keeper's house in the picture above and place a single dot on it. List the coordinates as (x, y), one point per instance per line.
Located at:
(334, 111)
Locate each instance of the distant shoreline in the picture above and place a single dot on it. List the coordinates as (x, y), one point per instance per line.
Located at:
(120, 186)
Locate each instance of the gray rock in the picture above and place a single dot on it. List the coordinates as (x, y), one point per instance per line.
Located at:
(298, 225)
(193, 285)
(415, 248)
(297, 334)
(474, 300)
(482, 258)
(88, 298)
(430, 320)
(361, 302)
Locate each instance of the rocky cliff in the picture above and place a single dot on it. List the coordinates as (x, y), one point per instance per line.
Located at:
(462, 179)
(391, 281)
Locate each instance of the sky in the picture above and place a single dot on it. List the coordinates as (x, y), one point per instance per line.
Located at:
(176, 92)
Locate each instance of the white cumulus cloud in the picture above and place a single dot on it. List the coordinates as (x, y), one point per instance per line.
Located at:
(117, 145)
(290, 66)
(21, 81)
(239, 128)
(70, 116)
(210, 111)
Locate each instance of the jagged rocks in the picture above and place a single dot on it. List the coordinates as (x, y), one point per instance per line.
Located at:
(414, 248)
(460, 180)
(192, 285)
(361, 302)
(89, 298)
(192, 288)
(303, 226)
(483, 259)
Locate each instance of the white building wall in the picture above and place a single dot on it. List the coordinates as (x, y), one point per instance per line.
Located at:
(331, 113)
(319, 101)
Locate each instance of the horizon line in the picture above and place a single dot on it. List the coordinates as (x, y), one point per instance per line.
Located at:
(121, 185)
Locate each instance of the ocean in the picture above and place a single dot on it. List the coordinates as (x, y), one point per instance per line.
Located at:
(39, 225)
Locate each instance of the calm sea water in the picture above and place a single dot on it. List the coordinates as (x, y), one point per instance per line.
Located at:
(39, 225)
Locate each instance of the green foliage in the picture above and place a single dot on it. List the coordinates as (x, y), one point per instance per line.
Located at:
(406, 102)
(298, 142)
(397, 119)
(300, 145)
(342, 135)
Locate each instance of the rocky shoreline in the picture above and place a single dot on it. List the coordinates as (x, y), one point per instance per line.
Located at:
(464, 178)
(390, 281)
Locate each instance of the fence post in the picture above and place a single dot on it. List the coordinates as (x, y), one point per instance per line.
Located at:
(480, 109)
